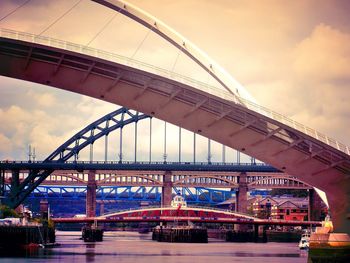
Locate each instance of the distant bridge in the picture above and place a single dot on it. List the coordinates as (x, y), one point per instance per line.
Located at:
(216, 175)
(184, 214)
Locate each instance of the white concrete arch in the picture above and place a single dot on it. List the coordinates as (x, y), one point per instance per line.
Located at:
(180, 42)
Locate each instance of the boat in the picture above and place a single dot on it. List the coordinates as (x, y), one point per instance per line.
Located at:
(304, 241)
(327, 227)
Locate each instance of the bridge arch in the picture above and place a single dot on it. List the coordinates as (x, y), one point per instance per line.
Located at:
(73, 146)
(280, 181)
(212, 211)
(88, 135)
(59, 177)
(215, 181)
(145, 179)
(181, 43)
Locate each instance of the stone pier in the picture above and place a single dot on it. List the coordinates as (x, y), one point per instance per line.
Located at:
(167, 189)
(242, 194)
(91, 195)
(242, 199)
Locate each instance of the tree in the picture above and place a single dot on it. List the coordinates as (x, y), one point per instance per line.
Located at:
(293, 192)
(5, 211)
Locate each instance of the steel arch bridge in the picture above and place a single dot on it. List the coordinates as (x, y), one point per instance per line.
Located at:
(245, 126)
(101, 128)
(22, 187)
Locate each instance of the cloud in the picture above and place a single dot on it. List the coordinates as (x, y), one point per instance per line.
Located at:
(6, 147)
(324, 55)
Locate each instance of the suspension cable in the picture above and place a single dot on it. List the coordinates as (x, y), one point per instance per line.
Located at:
(176, 59)
(14, 10)
(59, 18)
(102, 29)
(139, 46)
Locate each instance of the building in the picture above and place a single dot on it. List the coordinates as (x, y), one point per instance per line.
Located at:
(277, 207)
(262, 207)
(294, 209)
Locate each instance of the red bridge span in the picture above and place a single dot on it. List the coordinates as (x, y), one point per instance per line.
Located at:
(183, 214)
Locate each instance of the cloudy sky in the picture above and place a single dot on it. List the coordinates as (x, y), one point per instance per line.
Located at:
(292, 56)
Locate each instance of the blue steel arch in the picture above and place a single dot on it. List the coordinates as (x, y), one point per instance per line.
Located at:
(104, 126)
(72, 147)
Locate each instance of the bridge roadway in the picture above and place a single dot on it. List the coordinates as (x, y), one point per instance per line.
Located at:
(184, 214)
(218, 175)
(151, 166)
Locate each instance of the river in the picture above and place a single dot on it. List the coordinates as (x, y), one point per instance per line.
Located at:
(125, 247)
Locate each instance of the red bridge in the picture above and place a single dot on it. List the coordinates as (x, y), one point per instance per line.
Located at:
(184, 214)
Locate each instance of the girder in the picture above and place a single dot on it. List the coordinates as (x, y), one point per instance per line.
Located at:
(184, 179)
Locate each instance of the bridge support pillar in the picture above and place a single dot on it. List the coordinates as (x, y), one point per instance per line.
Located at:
(256, 233)
(15, 179)
(315, 206)
(167, 189)
(242, 194)
(91, 195)
(2, 183)
(233, 205)
(14, 186)
(260, 234)
(102, 208)
(242, 199)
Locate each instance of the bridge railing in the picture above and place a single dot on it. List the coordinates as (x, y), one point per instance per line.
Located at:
(52, 42)
(171, 207)
(144, 163)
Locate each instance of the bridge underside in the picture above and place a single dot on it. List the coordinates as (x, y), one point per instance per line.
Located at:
(218, 118)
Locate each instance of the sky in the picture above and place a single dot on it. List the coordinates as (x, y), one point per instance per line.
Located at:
(292, 56)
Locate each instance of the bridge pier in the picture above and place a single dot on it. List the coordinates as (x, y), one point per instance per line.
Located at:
(260, 234)
(315, 206)
(102, 208)
(167, 189)
(14, 186)
(15, 179)
(242, 199)
(241, 194)
(2, 183)
(91, 195)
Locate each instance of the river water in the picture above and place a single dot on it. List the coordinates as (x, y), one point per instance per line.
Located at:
(125, 247)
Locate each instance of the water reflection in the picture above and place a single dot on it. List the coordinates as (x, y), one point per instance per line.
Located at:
(90, 252)
(134, 247)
